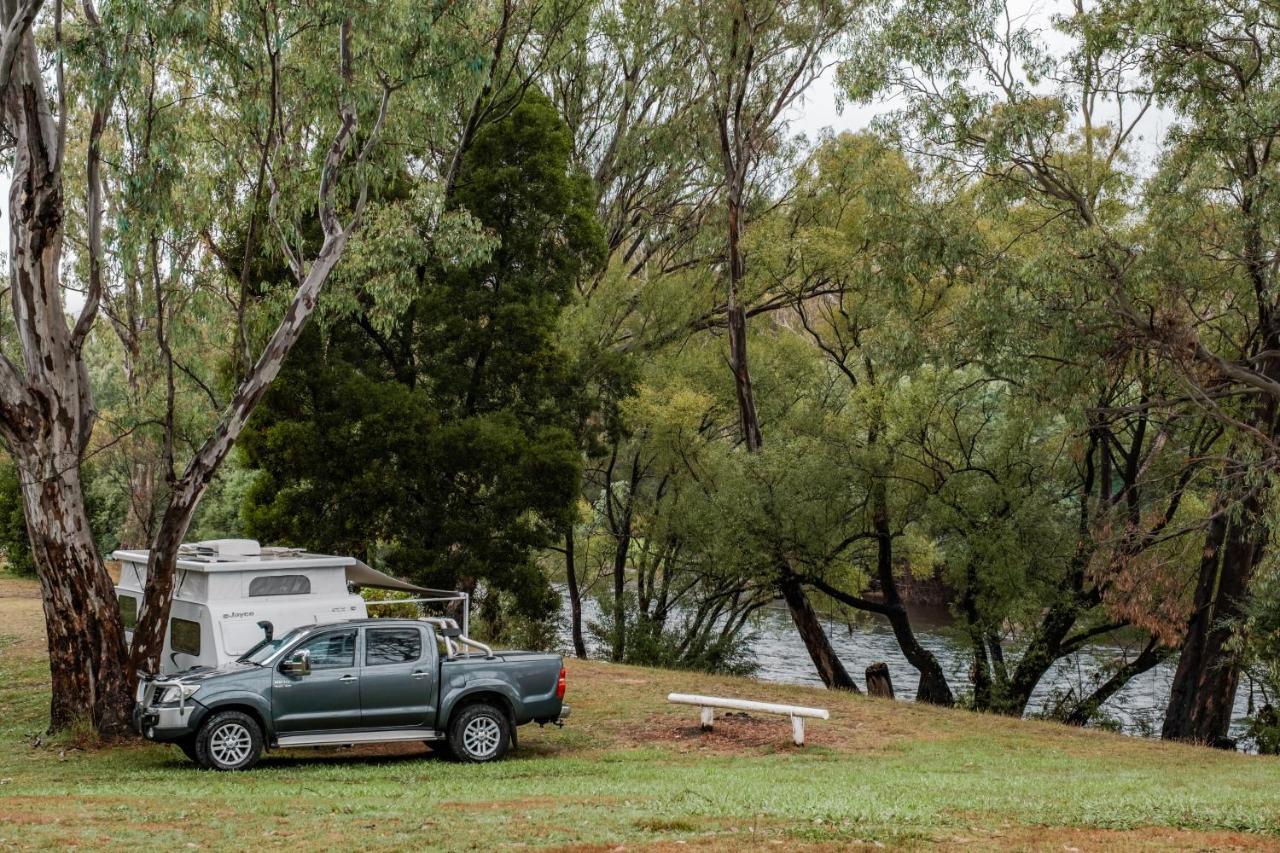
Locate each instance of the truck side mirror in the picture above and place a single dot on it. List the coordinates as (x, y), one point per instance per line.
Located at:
(298, 664)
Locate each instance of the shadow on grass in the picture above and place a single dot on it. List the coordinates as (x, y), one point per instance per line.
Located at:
(389, 755)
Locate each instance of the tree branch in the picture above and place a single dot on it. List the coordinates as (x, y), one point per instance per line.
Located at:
(11, 39)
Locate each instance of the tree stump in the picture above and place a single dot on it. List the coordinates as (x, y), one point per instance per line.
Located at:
(878, 681)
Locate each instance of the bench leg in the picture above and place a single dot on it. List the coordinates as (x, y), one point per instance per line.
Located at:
(797, 730)
(708, 718)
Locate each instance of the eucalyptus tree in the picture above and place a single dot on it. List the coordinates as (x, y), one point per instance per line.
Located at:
(758, 58)
(302, 93)
(630, 89)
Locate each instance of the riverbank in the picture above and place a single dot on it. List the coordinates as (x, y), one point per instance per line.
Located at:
(779, 653)
(630, 770)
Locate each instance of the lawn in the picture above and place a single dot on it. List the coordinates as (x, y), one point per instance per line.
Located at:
(629, 770)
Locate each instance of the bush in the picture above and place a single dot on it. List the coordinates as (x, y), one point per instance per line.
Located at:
(499, 619)
(1257, 642)
(391, 611)
(1263, 730)
(14, 542)
(649, 643)
(104, 504)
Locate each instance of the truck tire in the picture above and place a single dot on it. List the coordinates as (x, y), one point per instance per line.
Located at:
(479, 733)
(229, 740)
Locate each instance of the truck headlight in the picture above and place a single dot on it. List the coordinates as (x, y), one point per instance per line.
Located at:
(174, 693)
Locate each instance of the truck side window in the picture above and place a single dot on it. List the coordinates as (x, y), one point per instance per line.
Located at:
(392, 645)
(184, 636)
(332, 651)
(128, 611)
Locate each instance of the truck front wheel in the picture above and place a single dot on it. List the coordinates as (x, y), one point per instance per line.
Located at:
(479, 733)
(229, 740)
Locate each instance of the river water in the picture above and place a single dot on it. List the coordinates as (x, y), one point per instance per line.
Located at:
(1138, 709)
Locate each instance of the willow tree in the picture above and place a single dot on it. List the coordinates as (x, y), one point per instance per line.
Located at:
(322, 82)
(1059, 131)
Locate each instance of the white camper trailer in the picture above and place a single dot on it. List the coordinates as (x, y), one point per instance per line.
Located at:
(224, 588)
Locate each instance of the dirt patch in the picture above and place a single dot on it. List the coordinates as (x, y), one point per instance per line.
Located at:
(1021, 838)
(16, 587)
(21, 618)
(705, 842)
(1073, 839)
(732, 732)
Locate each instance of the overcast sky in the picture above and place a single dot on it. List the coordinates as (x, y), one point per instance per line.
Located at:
(818, 110)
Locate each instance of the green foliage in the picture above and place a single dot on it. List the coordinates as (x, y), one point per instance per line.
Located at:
(383, 610)
(508, 619)
(1257, 643)
(105, 505)
(427, 423)
(221, 512)
(14, 542)
(649, 642)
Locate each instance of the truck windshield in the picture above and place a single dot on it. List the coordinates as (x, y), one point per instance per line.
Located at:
(262, 652)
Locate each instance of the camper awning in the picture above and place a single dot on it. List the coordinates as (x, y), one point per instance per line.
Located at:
(361, 574)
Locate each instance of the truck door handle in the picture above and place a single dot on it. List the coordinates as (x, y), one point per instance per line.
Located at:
(419, 674)
(348, 678)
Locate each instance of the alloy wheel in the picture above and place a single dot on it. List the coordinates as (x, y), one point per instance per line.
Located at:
(230, 744)
(482, 736)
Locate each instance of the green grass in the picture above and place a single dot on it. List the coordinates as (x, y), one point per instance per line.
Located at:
(628, 769)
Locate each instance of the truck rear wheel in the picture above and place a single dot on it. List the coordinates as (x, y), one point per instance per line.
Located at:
(479, 733)
(229, 740)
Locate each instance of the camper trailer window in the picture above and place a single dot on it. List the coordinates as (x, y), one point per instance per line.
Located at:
(128, 611)
(184, 636)
(392, 645)
(280, 585)
(332, 651)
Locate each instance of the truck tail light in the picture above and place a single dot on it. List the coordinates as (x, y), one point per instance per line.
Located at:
(560, 685)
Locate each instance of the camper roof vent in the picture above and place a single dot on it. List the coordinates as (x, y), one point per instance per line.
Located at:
(224, 549)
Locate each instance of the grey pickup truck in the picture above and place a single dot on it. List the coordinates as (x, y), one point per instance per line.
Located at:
(363, 681)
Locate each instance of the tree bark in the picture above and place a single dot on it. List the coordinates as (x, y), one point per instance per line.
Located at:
(1088, 707)
(85, 638)
(933, 687)
(879, 682)
(575, 594)
(748, 420)
(824, 657)
(1043, 649)
(1205, 682)
(620, 552)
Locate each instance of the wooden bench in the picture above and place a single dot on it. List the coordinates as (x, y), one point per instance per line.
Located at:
(708, 704)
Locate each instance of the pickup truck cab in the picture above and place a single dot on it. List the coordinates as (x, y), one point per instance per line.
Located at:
(361, 681)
